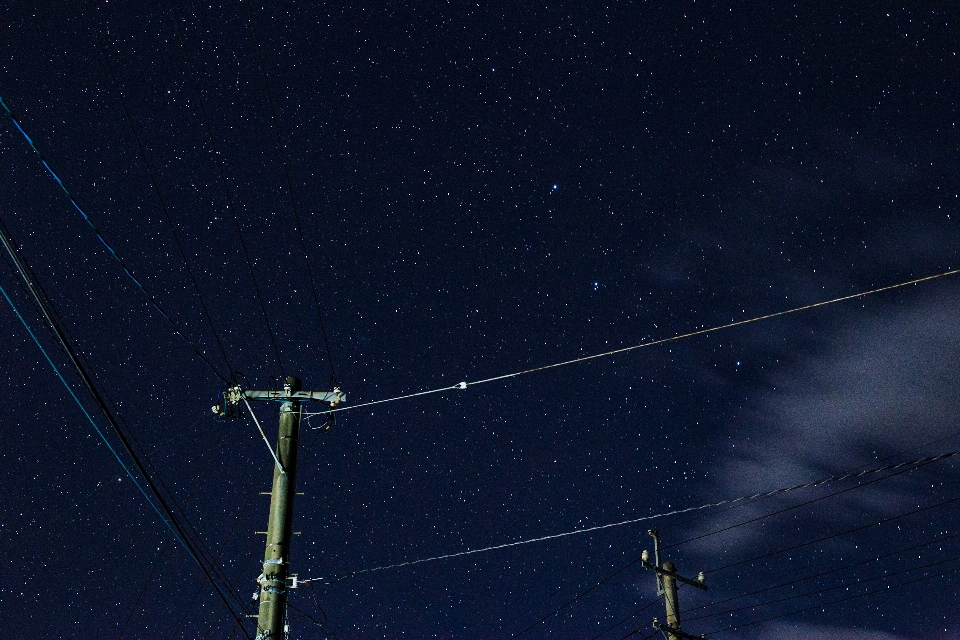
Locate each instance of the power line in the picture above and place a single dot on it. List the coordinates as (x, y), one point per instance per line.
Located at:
(835, 535)
(632, 615)
(904, 466)
(885, 589)
(921, 463)
(293, 200)
(822, 573)
(154, 183)
(575, 598)
(223, 180)
(637, 559)
(642, 345)
(46, 308)
(845, 585)
(194, 485)
(103, 241)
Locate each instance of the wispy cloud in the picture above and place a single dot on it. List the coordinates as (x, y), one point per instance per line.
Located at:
(883, 381)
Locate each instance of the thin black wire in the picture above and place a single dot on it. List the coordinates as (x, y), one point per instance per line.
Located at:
(836, 535)
(321, 625)
(637, 559)
(802, 504)
(233, 530)
(153, 181)
(632, 615)
(885, 589)
(197, 539)
(822, 573)
(575, 598)
(194, 486)
(109, 248)
(824, 590)
(293, 200)
(652, 635)
(223, 180)
(171, 518)
(553, 593)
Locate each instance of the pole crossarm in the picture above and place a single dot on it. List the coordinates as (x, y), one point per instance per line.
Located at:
(698, 583)
(332, 398)
(659, 626)
(235, 396)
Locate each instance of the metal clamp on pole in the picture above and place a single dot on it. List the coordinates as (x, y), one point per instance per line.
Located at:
(665, 628)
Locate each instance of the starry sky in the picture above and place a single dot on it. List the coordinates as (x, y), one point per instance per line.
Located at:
(483, 190)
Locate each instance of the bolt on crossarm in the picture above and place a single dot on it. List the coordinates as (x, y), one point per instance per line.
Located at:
(667, 578)
(273, 582)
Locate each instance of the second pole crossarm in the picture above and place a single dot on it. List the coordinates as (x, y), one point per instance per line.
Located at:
(699, 584)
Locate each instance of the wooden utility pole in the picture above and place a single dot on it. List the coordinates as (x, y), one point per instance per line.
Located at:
(667, 578)
(273, 582)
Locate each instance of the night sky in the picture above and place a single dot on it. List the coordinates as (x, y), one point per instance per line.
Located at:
(483, 190)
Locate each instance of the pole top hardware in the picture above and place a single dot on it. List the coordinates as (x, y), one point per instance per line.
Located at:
(699, 583)
(229, 407)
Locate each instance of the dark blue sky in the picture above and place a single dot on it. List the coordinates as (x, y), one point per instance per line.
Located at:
(481, 191)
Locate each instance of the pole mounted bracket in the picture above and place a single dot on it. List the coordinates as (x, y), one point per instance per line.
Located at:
(699, 583)
(233, 397)
(665, 628)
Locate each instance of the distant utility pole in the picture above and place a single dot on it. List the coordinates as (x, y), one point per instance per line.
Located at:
(667, 578)
(273, 585)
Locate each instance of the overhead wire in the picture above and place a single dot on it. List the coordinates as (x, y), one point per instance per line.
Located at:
(194, 485)
(898, 470)
(123, 265)
(903, 466)
(929, 460)
(201, 103)
(803, 579)
(821, 574)
(844, 585)
(632, 615)
(651, 343)
(836, 535)
(289, 183)
(822, 605)
(167, 516)
(153, 181)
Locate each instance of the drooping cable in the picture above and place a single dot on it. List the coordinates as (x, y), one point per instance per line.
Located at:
(167, 515)
(651, 343)
(293, 200)
(898, 467)
(822, 605)
(632, 615)
(821, 574)
(844, 585)
(109, 248)
(875, 523)
(153, 181)
(194, 486)
(226, 185)
(638, 558)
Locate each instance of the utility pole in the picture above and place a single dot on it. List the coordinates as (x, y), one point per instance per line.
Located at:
(273, 585)
(667, 578)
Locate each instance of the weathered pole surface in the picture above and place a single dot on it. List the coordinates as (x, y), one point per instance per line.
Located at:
(276, 558)
(670, 598)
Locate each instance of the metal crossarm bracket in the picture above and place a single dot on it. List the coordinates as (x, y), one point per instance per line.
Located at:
(234, 396)
(699, 583)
